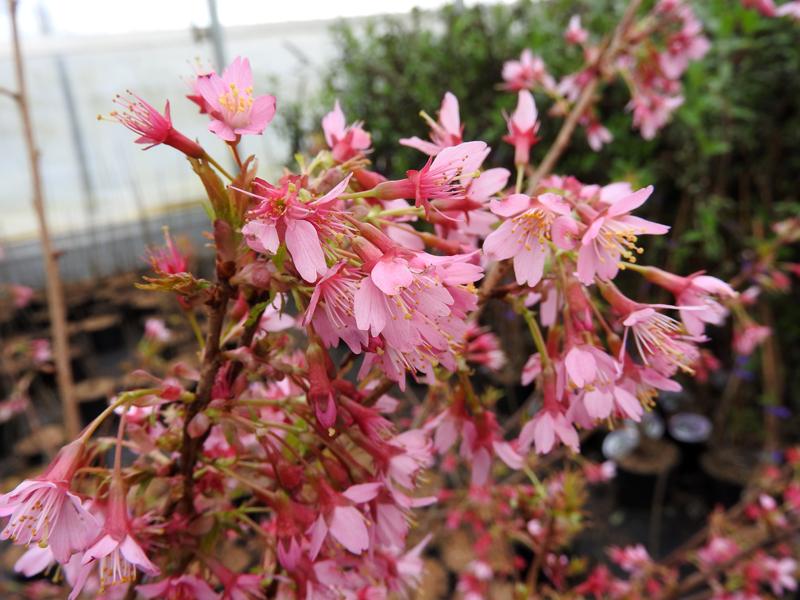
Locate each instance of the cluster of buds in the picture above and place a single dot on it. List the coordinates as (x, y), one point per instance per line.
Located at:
(334, 285)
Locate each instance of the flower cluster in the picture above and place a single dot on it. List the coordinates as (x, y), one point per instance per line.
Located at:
(650, 57)
(333, 285)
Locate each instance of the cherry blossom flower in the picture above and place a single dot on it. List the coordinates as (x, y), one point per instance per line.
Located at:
(748, 338)
(444, 133)
(765, 7)
(789, 9)
(522, 127)
(718, 551)
(331, 308)
(341, 519)
(630, 558)
(526, 73)
(283, 217)
(695, 291)
(612, 236)
(651, 111)
(168, 260)
(544, 429)
(156, 330)
(229, 99)
(116, 552)
(152, 127)
(781, 574)
(597, 135)
(444, 177)
(527, 234)
(44, 511)
(345, 142)
(575, 33)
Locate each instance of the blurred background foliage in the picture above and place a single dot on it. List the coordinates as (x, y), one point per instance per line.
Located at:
(724, 168)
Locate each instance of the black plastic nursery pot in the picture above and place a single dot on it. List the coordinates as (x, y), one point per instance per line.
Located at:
(639, 472)
(727, 470)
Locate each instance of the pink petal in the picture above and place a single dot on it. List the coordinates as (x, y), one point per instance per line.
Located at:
(262, 236)
(481, 463)
(529, 266)
(422, 145)
(348, 527)
(598, 403)
(511, 205)
(222, 130)
(508, 455)
(333, 124)
(319, 530)
(448, 114)
(554, 203)
(369, 307)
(501, 244)
(488, 183)
(362, 492)
(586, 265)
(564, 232)
(630, 203)
(334, 192)
(524, 116)
(581, 366)
(391, 275)
(134, 554)
(303, 245)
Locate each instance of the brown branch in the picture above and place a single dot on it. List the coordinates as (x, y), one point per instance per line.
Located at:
(212, 360)
(55, 292)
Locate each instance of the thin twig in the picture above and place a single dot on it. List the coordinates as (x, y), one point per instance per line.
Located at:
(55, 292)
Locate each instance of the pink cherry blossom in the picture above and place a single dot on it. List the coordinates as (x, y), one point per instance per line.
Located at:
(697, 292)
(765, 7)
(544, 429)
(332, 308)
(233, 109)
(526, 73)
(44, 511)
(747, 339)
(168, 260)
(152, 127)
(718, 551)
(789, 9)
(575, 33)
(522, 127)
(117, 553)
(282, 216)
(526, 236)
(612, 236)
(630, 558)
(651, 111)
(597, 135)
(345, 142)
(340, 518)
(444, 177)
(444, 133)
(781, 574)
(661, 341)
(156, 330)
